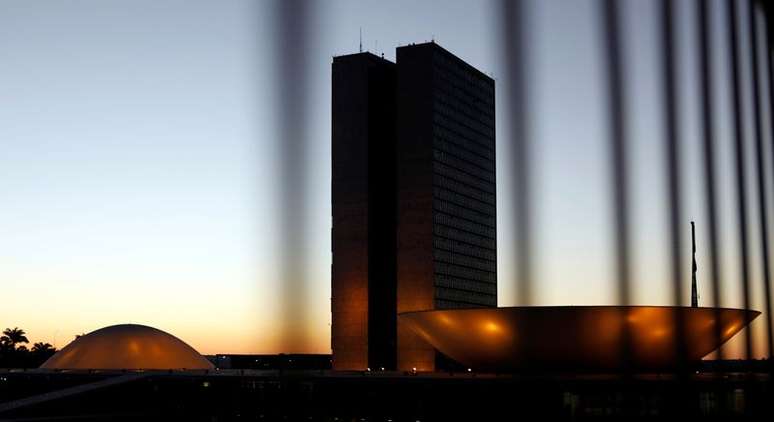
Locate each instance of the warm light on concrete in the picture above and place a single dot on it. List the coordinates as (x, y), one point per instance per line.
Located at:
(127, 346)
(576, 337)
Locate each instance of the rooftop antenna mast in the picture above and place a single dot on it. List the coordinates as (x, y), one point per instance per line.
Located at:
(694, 291)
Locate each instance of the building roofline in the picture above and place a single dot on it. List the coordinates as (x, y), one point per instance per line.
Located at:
(436, 46)
(363, 54)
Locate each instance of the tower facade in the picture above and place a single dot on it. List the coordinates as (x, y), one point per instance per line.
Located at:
(414, 200)
(363, 331)
(447, 231)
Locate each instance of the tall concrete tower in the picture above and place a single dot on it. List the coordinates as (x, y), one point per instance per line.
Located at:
(414, 200)
(447, 208)
(363, 200)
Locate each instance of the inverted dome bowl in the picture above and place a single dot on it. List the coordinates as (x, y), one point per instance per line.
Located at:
(127, 346)
(574, 337)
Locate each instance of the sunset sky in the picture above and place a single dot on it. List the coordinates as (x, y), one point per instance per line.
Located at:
(138, 173)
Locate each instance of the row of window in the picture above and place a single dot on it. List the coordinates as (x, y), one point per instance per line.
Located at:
(447, 294)
(443, 280)
(462, 154)
(453, 161)
(467, 132)
(462, 110)
(464, 224)
(460, 271)
(463, 177)
(481, 105)
(463, 119)
(456, 246)
(472, 131)
(462, 200)
(465, 213)
(464, 189)
(464, 260)
(464, 236)
(465, 105)
(462, 73)
(448, 304)
(465, 80)
(469, 145)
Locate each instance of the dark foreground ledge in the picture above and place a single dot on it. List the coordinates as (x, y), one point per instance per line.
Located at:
(223, 395)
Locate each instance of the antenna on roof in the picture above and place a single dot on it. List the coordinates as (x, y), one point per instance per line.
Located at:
(361, 39)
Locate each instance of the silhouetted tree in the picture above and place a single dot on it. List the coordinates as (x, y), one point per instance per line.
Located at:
(6, 349)
(14, 354)
(40, 352)
(13, 337)
(5, 344)
(41, 347)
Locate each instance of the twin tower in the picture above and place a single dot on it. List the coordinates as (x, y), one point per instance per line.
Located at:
(414, 200)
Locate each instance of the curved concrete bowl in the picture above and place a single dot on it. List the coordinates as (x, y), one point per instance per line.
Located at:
(575, 337)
